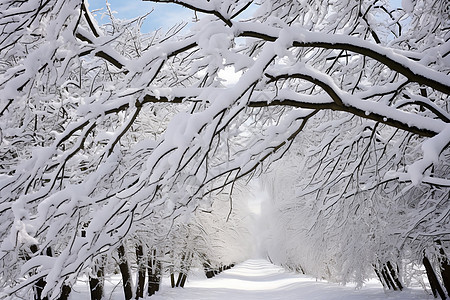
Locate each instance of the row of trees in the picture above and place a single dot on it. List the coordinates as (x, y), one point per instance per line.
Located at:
(210, 240)
(109, 136)
(348, 215)
(349, 222)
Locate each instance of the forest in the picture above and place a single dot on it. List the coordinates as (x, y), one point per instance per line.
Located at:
(135, 153)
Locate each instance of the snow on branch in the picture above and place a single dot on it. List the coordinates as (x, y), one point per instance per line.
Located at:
(105, 131)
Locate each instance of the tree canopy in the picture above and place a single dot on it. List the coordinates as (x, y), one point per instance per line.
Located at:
(105, 130)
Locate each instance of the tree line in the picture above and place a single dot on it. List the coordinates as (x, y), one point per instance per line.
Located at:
(109, 136)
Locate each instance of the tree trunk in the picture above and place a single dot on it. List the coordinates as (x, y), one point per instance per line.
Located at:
(383, 283)
(183, 280)
(172, 279)
(394, 275)
(207, 267)
(38, 287)
(96, 284)
(180, 276)
(141, 272)
(445, 268)
(154, 274)
(183, 274)
(209, 274)
(388, 280)
(445, 273)
(95, 288)
(40, 284)
(65, 292)
(432, 278)
(126, 274)
(388, 276)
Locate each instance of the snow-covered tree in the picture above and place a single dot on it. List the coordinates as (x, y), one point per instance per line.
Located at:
(339, 216)
(77, 151)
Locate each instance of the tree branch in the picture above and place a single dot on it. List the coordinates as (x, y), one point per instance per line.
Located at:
(412, 70)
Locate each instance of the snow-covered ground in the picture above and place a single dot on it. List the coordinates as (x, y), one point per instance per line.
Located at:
(259, 279)
(256, 279)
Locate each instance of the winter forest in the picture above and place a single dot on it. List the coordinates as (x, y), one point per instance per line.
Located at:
(139, 154)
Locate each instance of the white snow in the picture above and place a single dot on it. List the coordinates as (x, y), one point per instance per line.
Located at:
(259, 279)
(53, 183)
(408, 6)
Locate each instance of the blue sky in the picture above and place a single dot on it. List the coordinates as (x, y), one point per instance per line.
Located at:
(164, 15)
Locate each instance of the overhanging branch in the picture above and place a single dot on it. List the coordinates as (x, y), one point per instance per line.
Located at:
(403, 69)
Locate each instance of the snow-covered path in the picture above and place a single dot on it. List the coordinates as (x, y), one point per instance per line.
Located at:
(259, 279)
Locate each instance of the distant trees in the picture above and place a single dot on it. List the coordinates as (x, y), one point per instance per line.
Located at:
(104, 129)
(346, 218)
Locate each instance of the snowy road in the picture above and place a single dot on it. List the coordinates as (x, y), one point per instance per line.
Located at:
(259, 279)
